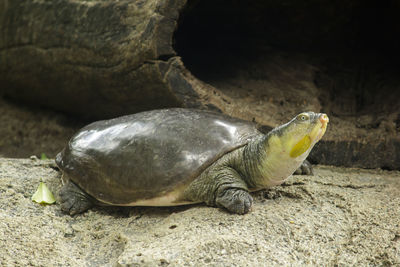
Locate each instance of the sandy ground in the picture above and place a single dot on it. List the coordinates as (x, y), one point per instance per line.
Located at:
(336, 217)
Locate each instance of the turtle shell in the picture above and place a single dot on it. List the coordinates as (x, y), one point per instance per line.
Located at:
(149, 154)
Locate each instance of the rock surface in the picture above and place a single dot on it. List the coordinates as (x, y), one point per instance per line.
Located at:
(337, 217)
(262, 61)
(93, 58)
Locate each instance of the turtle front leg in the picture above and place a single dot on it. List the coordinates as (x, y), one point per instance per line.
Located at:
(222, 187)
(73, 199)
(305, 169)
(235, 200)
(231, 191)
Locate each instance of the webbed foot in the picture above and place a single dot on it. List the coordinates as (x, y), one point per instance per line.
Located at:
(73, 199)
(235, 200)
(305, 169)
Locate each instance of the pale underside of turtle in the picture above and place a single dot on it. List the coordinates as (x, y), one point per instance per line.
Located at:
(149, 158)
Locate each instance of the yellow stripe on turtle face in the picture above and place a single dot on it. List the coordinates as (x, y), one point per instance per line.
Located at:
(302, 146)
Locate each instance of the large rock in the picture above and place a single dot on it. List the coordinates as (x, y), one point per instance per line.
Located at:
(93, 58)
(337, 217)
(260, 60)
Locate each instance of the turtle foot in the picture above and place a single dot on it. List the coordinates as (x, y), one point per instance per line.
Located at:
(235, 200)
(305, 169)
(73, 200)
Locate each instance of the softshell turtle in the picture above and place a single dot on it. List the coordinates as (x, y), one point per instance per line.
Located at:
(180, 156)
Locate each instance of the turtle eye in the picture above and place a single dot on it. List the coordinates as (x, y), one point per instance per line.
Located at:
(303, 117)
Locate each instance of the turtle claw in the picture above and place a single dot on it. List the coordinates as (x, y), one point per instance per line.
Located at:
(73, 200)
(235, 200)
(305, 169)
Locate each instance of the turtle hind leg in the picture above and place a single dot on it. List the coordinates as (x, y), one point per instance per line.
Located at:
(73, 199)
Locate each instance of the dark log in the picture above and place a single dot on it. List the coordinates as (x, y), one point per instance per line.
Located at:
(96, 59)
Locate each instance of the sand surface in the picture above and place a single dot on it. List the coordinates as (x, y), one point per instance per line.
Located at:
(338, 216)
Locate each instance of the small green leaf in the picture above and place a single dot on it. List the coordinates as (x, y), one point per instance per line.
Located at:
(43, 156)
(43, 195)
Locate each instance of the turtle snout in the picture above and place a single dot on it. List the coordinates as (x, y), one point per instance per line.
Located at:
(323, 118)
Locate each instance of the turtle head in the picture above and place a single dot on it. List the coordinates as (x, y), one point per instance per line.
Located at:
(297, 137)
